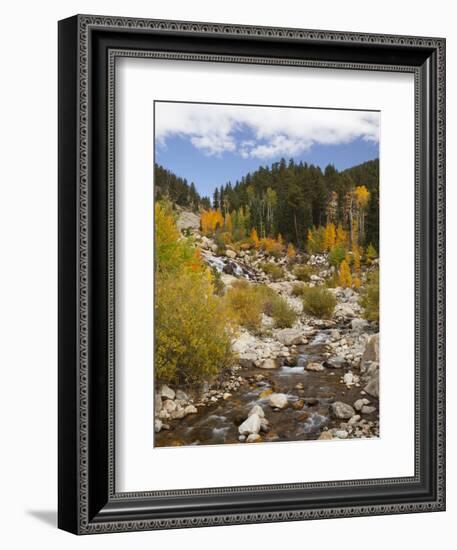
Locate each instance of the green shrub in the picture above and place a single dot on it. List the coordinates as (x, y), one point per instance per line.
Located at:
(246, 305)
(248, 302)
(333, 281)
(192, 328)
(303, 272)
(370, 297)
(370, 254)
(274, 271)
(319, 302)
(298, 289)
(283, 314)
(218, 285)
(336, 255)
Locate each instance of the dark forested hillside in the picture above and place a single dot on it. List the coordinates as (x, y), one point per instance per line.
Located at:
(177, 190)
(290, 198)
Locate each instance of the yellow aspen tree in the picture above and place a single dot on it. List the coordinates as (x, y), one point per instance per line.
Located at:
(356, 283)
(310, 239)
(255, 238)
(280, 240)
(345, 275)
(291, 251)
(356, 258)
(330, 236)
(341, 235)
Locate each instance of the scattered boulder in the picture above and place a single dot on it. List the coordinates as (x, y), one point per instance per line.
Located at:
(360, 403)
(342, 410)
(267, 364)
(326, 435)
(253, 438)
(359, 325)
(190, 409)
(177, 414)
(230, 254)
(158, 425)
(341, 434)
(247, 360)
(367, 409)
(182, 395)
(278, 400)
(317, 367)
(257, 409)
(371, 352)
(167, 392)
(289, 336)
(250, 426)
(169, 405)
(336, 362)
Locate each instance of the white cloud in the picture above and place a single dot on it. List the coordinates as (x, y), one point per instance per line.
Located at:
(273, 131)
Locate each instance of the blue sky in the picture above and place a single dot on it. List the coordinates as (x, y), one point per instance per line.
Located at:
(211, 144)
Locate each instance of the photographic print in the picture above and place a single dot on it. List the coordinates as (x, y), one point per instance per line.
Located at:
(266, 283)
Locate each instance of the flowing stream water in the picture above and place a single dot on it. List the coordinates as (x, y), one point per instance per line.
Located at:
(218, 423)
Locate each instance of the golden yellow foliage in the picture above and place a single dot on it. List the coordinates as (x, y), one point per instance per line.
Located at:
(341, 236)
(345, 275)
(210, 220)
(171, 252)
(356, 258)
(255, 238)
(192, 328)
(291, 253)
(192, 325)
(362, 195)
(356, 283)
(330, 236)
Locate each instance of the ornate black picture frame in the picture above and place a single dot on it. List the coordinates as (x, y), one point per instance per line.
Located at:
(88, 47)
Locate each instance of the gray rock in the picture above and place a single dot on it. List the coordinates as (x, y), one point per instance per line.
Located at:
(354, 419)
(188, 220)
(341, 434)
(359, 325)
(190, 409)
(371, 352)
(158, 425)
(230, 253)
(345, 310)
(267, 364)
(360, 403)
(372, 388)
(366, 409)
(250, 426)
(167, 392)
(253, 438)
(182, 395)
(336, 362)
(257, 409)
(169, 405)
(342, 410)
(278, 400)
(315, 367)
(177, 414)
(289, 336)
(247, 360)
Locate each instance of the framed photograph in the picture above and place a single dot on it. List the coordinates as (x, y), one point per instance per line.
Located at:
(251, 274)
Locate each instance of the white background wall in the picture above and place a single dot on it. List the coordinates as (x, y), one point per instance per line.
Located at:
(28, 289)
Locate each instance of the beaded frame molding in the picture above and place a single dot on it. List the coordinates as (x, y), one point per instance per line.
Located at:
(88, 48)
